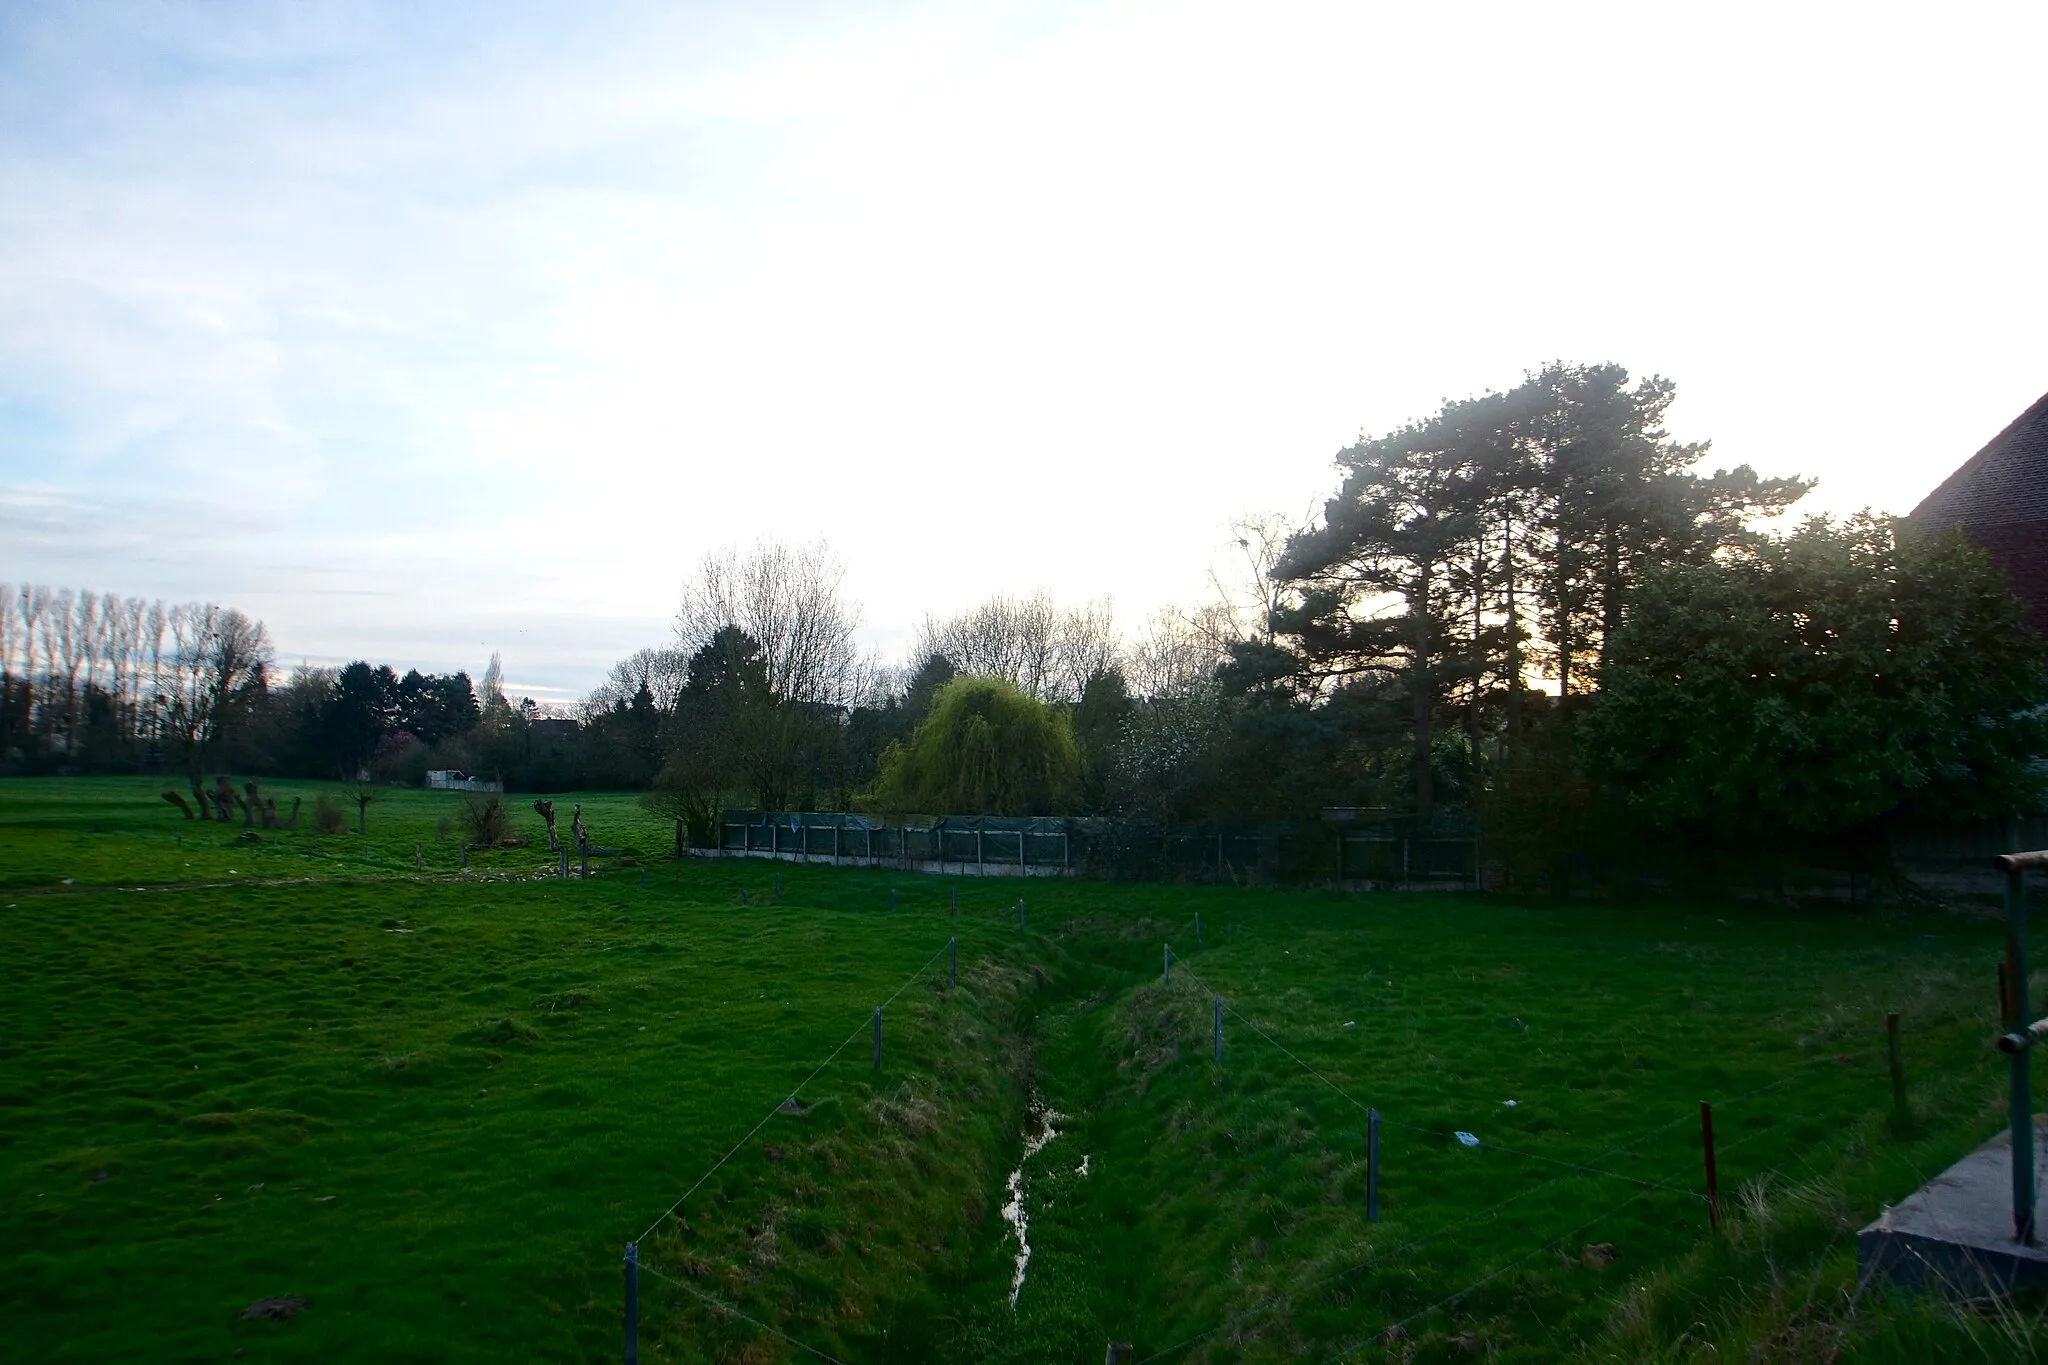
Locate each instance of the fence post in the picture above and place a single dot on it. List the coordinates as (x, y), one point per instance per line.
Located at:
(1372, 1165)
(2022, 1096)
(632, 1303)
(565, 864)
(1198, 928)
(1219, 1028)
(979, 862)
(1119, 1353)
(1895, 1053)
(892, 900)
(952, 963)
(417, 863)
(1166, 969)
(465, 857)
(1713, 1178)
(1020, 914)
(743, 895)
(878, 1037)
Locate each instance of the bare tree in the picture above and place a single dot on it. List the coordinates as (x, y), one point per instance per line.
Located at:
(153, 627)
(1181, 650)
(790, 600)
(497, 712)
(662, 671)
(1046, 651)
(220, 660)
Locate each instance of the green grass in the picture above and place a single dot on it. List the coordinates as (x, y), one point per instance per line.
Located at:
(438, 1105)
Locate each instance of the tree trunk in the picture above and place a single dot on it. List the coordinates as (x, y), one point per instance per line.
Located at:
(1514, 644)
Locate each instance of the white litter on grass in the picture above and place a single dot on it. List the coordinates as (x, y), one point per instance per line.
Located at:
(1082, 1169)
(1350, 1023)
(1509, 1103)
(1039, 1128)
(1466, 1138)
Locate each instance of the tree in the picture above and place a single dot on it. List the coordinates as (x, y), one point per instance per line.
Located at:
(712, 743)
(1042, 649)
(221, 665)
(1502, 521)
(1822, 681)
(790, 602)
(986, 748)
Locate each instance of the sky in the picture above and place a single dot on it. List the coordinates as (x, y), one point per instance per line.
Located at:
(424, 331)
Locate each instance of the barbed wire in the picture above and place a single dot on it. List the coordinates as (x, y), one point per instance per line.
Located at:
(1231, 1010)
(1577, 1169)
(722, 1306)
(777, 1108)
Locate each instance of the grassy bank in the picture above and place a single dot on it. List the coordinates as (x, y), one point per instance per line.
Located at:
(438, 1105)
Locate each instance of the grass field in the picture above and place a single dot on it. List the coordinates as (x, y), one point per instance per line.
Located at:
(437, 1105)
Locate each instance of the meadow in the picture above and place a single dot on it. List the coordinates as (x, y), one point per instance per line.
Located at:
(436, 1104)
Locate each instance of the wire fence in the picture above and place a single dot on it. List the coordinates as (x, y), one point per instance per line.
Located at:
(1591, 1167)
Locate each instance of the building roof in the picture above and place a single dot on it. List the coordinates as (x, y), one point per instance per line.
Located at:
(2004, 483)
(1999, 497)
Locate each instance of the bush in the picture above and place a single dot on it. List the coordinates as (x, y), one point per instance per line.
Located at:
(986, 747)
(327, 816)
(487, 820)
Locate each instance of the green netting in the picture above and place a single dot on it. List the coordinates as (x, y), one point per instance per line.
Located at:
(1390, 851)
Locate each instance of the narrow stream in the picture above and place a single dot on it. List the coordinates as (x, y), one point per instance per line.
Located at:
(1041, 1125)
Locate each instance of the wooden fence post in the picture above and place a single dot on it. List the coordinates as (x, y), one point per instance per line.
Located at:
(1895, 1054)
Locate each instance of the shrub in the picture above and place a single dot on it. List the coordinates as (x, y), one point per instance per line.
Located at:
(327, 816)
(487, 820)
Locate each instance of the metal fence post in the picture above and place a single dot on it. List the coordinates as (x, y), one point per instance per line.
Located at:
(1372, 1165)
(1020, 914)
(1166, 967)
(1219, 1028)
(632, 1303)
(2022, 1090)
(952, 963)
(565, 864)
(1713, 1176)
(878, 1037)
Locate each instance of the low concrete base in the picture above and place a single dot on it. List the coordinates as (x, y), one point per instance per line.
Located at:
(1955, 1232)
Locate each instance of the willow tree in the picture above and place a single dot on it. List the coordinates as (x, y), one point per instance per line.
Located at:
(986, 748)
